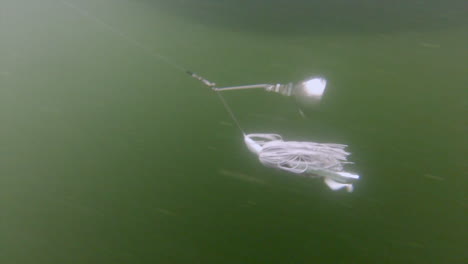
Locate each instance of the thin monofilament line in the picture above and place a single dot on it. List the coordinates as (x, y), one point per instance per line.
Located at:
(85, 13)
(229, 110)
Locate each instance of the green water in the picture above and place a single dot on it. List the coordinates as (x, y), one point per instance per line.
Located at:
(109, 155)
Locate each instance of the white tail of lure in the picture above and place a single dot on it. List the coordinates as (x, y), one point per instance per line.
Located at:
(308, 158)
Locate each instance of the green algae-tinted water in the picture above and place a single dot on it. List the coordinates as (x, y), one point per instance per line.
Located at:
(110, 155)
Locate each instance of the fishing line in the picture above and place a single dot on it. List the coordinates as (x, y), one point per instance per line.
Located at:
(231, 113)
(85, 13)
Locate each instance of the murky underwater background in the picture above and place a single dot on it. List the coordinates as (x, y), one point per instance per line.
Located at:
(109, 155)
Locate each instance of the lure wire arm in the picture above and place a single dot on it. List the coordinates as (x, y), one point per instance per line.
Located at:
(241, 87)
(285, 89)
(226, 105)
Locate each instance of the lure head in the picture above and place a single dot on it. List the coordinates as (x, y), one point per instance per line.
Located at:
(256, 142)
(253, 146)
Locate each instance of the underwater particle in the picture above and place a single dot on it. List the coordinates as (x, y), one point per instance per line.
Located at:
(433, 177)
